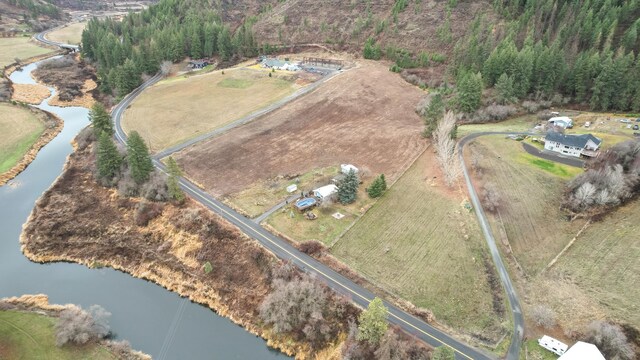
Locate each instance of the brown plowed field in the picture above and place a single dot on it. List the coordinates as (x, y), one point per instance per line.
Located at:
(365, 117)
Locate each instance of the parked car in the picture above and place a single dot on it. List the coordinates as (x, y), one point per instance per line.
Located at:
(626, 121)
(587, 124)
(638, 120)
(636, 127)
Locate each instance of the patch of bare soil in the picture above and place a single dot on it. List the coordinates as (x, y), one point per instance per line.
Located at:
(79, 221)
(53, 126)
(364, 116)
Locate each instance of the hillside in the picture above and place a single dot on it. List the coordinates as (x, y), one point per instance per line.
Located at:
(28, 15)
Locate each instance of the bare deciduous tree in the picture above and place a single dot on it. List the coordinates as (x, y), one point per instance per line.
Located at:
(446, 148)
(543, 316)
(165, 67)
(610, 340)
(491, 198)
(80, 326)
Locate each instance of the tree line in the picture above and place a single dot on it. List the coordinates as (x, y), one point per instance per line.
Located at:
(169, 30)
(37, 8)
(582, 50)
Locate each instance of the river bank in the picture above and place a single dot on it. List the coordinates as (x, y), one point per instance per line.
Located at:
(34, 316)
(79, 221)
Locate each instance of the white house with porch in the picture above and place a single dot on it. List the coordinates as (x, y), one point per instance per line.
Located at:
(572, 145)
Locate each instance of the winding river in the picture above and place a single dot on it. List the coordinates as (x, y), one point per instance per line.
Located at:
(154, 320)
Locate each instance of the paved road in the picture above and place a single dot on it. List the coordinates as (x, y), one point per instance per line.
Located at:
(514, 302)
(549, 155)
(43, 39)
(281, 248)
(302, 91)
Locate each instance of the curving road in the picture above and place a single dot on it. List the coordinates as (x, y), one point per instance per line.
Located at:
(282, 249)
(42, 37)
(514, 302)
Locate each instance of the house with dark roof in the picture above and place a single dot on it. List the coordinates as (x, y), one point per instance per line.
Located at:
(572, 145)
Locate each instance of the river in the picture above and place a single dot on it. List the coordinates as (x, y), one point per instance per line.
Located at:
(154, 320)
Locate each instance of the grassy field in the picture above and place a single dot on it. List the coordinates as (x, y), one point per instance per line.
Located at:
(71, 34)
(31, 336)
(518, 124)
(419, 242)
(20, 128)
(18, 47)
(596, 278)
(180, 108)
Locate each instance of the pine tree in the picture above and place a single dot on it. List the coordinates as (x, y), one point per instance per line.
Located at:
(470, 92)
(373, 322)
(138, 158)
(377, 187)
(175, 192)
(504, 88)
(225, 47)
(101, 120)
(433, 114)
(348, 188)
(108, 159)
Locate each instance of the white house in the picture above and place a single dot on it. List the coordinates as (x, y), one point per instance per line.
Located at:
(553, 345)
(582, 351)
(345, 168)
(325, 192)
(572, 145)
(562, 121)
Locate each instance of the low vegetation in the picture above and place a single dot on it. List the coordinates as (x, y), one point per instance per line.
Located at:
(18, 48)
(67, 74)
(21, 128)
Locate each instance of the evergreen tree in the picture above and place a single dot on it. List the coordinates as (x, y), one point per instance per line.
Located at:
(108, 159)
(377, 187)
(373, 322)
(101, 120)
(470, 92)
(127, 77)
(433, 114)
(371, 50)
(504, 88)
(195, 43)
(173, 185)
(225, 47)
(138, 158)
(348, 188)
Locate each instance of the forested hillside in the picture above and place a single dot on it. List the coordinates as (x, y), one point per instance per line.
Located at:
(584, 50)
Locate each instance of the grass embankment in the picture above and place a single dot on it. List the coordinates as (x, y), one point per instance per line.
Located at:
(25, 335)
(517, 124)
(419, 242)
(70, 34)
(595, 278)
(180, 108)
(20, 48)
(20, 129)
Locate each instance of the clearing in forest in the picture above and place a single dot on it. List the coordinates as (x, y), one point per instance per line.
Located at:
(20, 128)
(180, 108)
(421, 243)
(70, 34)
(19, 47)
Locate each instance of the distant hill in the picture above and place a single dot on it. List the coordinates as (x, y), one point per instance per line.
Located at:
(28, 15)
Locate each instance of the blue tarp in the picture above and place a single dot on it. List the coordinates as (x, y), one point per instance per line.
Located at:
(306, 202)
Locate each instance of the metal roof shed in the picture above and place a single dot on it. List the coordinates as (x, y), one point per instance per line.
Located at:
(582, 351)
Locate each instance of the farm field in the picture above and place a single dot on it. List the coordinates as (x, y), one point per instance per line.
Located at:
(71, 34)
(420, 242)
(20, 128)
(353, 118)
(595, 278)
(183, 107)
(31, 336)
(20, 48)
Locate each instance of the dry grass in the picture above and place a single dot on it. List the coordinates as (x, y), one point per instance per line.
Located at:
(181, 108)
(18, 47)
(71, 34)
(30, 93)
(20, 128)
(419, 242)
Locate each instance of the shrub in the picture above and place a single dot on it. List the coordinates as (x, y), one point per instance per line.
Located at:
(155, 188)
(610, 340)
(85, 138)
(493, 112)
(79, 326)
(311, 247)
(543, 316)
(147, 211)
(491, 198)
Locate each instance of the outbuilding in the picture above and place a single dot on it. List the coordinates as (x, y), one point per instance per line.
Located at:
(553, 345)
(345, 168)
(561, 121)
(582, 351)
(325, 192)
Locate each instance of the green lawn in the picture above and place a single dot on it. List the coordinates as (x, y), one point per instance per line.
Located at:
(26, 335)
(18, 47)
(20, 129)
(518, 124)
(419, 242)
(560, 170)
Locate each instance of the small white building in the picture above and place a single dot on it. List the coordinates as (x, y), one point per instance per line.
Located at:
(326, 192)
(582, 351)
(345, 168)
(291, 188)
(572, 145)
(562, 121)
(553, 345)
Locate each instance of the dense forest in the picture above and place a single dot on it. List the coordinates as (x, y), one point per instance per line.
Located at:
(37, 8)
(170, 31)
(584, 50)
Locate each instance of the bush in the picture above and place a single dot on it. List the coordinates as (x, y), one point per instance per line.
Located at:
(85, 138)
(311, 247)
(78, 326)
(155, 188)
(491, 113)
(543, 316)
(147, 211)
(610, 340)
(126, 185)
(491, 198)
